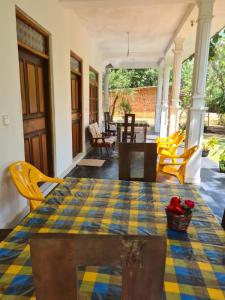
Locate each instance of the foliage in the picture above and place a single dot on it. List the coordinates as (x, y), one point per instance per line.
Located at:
(132, 78)
(215, 87)
(210, 144)
(186, 82)
(222, 156)
(125, 106)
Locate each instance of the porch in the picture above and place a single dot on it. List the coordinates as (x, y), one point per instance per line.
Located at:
(55, 56)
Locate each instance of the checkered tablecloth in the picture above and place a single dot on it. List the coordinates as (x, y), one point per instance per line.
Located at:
(195, 264)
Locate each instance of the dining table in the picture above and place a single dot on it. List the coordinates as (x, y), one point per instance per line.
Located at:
(138, 124)
(195, 262)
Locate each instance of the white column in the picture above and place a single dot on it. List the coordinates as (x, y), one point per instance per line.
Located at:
(177, 68)
(158, 100)
(197, 111)
(106, 90)
(165, 97)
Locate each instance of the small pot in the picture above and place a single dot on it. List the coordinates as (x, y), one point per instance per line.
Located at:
(205, 153)
(222, 166)
(178, 222)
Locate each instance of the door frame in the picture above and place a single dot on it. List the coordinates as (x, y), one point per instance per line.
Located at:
(97, 74)
(77, 57)
(50, 123)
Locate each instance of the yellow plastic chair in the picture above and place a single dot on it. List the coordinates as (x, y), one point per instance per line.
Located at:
(170, 148)
(177, 169)
(168, 139)
(26, 178)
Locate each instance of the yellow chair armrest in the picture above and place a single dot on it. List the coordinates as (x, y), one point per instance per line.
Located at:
(53, 179)
(36, 198)
(172, 164)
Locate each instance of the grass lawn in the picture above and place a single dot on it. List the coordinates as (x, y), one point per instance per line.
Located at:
(214, 154)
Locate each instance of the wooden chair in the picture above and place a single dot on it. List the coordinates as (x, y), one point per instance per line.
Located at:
(223, 220)
(99, 140)
(176, 168)
(56, 257)
(129, 152)
(26, 178)
(129, 129)
(110, 129)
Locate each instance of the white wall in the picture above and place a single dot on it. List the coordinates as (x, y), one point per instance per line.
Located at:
(67, 33)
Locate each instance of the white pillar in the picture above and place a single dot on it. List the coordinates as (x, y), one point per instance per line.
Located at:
(106, 89)
(165, 98)
(158, 100)
(197, 111)
(177, 68)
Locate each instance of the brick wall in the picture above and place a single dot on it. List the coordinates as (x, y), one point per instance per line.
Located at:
(142, 101)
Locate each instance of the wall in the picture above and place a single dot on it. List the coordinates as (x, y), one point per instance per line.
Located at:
(142, 101)
(67, 34)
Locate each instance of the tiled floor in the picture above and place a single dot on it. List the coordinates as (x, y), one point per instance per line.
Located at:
(212, 187)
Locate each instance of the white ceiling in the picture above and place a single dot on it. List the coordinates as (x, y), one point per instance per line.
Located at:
(153, 25)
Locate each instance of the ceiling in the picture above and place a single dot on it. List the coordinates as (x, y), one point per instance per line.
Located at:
(153, 25)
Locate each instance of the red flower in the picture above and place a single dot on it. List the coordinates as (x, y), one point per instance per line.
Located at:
(175, 209)
(189, 204)
(175, 201)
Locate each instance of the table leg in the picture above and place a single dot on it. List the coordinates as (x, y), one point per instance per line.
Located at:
(145, 133)
(118, 134)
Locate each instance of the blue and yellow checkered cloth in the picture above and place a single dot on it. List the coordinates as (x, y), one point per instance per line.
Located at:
(195, 264)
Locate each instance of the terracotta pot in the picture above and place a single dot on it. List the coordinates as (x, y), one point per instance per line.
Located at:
(178, 222)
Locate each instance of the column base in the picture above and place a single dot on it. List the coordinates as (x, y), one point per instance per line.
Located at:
(193, 180)
(194, 137)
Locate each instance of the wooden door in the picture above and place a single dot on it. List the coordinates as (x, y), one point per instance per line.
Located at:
(36, 110)
(93, 92)
(76, 113)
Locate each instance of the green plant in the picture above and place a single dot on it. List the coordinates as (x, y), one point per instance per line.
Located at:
(222, 162)
(210, 144)
(125, 106)
(222, 156)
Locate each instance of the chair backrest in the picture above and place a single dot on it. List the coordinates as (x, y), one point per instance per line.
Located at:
(174, 135)
(131, 154)
(56, 257)
(179, 139)
(94, 130)
(186, 157)
(26, 177)
(107, 120)
(129, 124)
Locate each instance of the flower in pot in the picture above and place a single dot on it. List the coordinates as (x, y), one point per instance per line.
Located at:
(222, 162)
(209, 145)
(179, 213)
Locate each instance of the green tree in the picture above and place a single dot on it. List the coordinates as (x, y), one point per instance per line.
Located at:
(132, 78)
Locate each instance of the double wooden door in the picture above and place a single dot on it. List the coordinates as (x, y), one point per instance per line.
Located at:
(76, 110)
(34, 83)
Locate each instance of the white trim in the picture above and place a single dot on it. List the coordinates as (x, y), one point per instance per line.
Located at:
(193, 180)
